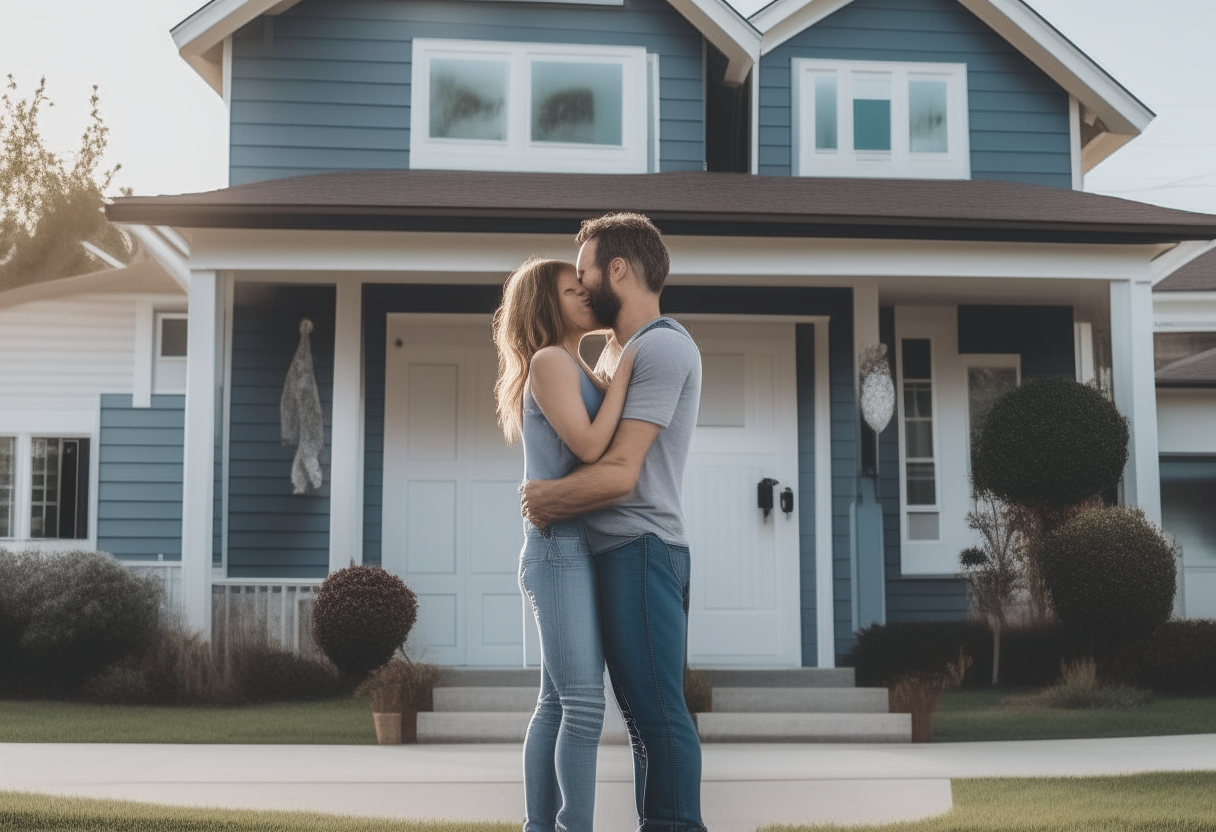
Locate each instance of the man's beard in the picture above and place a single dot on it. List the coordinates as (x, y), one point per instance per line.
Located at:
(605, 303)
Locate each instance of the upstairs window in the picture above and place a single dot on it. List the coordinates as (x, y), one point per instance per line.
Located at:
(484, 105)
(870, 119)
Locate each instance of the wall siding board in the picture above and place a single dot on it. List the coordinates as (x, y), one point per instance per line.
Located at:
(1003, 86)
(271, 532)
(139, 478)
(327, 86)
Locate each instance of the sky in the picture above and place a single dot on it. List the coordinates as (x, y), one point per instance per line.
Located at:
(167, 127)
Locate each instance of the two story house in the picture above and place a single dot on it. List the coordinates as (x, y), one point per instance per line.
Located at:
(828, 175)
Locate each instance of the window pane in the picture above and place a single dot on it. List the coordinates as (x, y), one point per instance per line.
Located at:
(825, 112)
(468, 99)
(920, 439)
(172, 337)
(916, 358)
(984, 386)
(922, 484)
(927, 116)
(923, 525)
(8, 448)
(573, 102)
(871, 111)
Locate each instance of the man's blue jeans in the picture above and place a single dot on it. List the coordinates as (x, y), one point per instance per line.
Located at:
(643, 600)
(558, 579)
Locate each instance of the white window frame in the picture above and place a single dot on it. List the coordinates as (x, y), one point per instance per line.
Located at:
(15, 522)
(934, 390)
(996, 361)
(518, 152)
(898, 163)
(23, 485)
(157, 334)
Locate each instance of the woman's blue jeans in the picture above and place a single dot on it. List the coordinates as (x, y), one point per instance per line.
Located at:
(643, 590)
(557, 577)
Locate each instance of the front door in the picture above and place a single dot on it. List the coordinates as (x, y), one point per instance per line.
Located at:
(451, 524)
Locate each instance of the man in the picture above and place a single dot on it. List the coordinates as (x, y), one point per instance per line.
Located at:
(630, 502)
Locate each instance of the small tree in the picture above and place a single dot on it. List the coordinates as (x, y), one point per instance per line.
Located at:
(994, 570)
(1049, 449)
(50, 204)
(361, 617)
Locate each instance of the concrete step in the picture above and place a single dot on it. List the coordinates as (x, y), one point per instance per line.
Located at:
(799, 700)
(444, 726)
(794, 677)
(494, 677)
(716, 727)
(486, 699)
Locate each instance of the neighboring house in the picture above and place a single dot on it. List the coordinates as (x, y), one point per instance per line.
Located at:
(828, 175)
(1184, 307)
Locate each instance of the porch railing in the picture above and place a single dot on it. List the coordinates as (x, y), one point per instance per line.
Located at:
(168, 574)
(274, 611)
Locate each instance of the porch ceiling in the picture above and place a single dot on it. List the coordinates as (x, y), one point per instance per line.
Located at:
(696, 203)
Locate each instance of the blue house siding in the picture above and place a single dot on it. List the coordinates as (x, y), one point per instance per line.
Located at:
(139, 478)
(804, 336)
(1041, 335)
(271, 532)
(326, 86)
(1018, 115)
(908, 599)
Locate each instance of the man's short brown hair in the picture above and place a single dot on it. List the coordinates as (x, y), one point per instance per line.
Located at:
(633, 237)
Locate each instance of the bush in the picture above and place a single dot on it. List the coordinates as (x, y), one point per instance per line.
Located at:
(1111, 575)
(69, 615)
(1178, 659)
(400, 686)
(1081, 689)
(1049, 444)
(123, 683)
(268, 675)
(361, 617)
(1030, 656)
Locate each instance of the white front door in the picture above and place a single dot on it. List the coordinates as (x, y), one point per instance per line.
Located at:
(745, 597)
(451, 524)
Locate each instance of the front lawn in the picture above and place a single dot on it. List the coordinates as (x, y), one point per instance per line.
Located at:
(330, 722)
(974, 715)
(1139, 803)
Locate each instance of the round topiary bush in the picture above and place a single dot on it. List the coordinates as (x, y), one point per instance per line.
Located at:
(1049, 444)
(1110, 573)
(361, 616)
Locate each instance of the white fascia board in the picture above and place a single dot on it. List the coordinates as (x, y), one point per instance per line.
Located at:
(200, 37)
(166, 252)
(1184, 311)
(727, 30)
(1177, 257)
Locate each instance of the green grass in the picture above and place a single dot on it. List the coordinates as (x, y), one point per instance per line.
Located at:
(1138, 803)
(40, 813)
(332, 722)
(973, 715)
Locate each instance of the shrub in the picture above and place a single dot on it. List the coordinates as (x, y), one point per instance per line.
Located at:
(1049, 444)
(362, 616)
(263, 674)
(1111, 575)
(68, 615)
(1178, 659)
(400, 686)
(122, 683)
(1080, 689)
(920, 694)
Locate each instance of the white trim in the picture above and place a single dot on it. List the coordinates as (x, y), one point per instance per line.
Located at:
(167, 254)
(102, 255)
(935, 409)
(345, 459)
(825, 580)
(84, 425)
(141, 383)
(754, 137)
(727, 30)
(158, 316)
(1184, 311)
(897, 163)
(1177, 257)
(1075, 153)
(1083, 351)
(229, 304)
(654, 160)
(517, 151)
(23, 481)
(226, 84)
(1131, 336)
(94, 473)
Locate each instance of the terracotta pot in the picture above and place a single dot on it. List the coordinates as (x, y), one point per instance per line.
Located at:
(388, 728)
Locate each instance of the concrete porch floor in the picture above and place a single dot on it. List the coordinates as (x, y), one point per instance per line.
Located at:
(745, 786)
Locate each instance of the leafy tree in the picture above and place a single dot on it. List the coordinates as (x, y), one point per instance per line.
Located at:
(994, 570)
(51, 204)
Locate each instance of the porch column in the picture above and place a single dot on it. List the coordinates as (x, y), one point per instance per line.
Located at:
(198, 450)
(346, 445)
(1131, 336)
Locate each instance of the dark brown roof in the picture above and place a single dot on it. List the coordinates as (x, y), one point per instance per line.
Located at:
(1199, 275)
(1193, 371)
(681, 203)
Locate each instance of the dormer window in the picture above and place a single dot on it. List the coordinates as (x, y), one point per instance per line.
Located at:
(485, 105)
(877, 119)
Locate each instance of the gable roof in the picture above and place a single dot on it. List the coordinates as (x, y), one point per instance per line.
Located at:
(1197, 370)
(688, 202)
(1195, 275)
(200, 37)
(1111, 115)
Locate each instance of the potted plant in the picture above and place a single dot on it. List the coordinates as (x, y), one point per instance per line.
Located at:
(398, 690)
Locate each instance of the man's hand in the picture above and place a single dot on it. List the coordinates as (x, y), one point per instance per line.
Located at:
(531, 502)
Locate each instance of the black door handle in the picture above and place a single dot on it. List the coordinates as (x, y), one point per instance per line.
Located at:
(787, 500)
(764, 495)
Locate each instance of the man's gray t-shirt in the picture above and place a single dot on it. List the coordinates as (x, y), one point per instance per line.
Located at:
(665, 389)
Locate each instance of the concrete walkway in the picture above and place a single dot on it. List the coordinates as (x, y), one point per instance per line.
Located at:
(745, 786)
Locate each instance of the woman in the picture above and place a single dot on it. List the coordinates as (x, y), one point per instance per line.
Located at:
(549, 397)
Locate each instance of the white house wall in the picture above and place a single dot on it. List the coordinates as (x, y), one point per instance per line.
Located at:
(1185, 421)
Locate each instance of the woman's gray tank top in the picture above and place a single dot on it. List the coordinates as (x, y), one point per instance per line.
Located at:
(546, 456)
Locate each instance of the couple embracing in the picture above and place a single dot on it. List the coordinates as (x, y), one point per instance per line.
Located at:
(605, 561)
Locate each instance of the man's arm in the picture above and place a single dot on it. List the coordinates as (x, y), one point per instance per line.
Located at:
(592, 486)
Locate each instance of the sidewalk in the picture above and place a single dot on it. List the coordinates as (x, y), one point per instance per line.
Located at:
(744, 785)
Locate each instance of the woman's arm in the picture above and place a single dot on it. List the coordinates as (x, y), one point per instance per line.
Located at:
(554, 378)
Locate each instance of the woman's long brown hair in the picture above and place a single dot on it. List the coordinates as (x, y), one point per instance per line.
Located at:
(529, 319)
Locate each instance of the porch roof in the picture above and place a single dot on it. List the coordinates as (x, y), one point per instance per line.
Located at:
(696, 203)
(1193, 371)
(1199, 275)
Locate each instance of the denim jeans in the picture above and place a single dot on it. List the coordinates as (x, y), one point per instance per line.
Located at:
(558, 579)
(643, 592)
